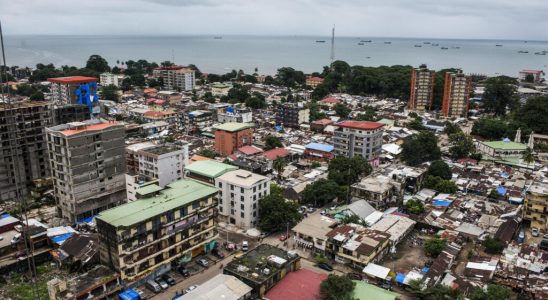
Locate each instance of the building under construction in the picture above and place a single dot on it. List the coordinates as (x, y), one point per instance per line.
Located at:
(23, 149)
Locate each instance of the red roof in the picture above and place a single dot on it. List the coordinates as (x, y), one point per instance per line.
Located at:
(72, 79)
(250, 150)
(315, 78)
(302, 284)
(364, 125)
(275, 153)
(169, 68)
(531, 71)
(99, 126)
(330, 100)
(152, 113)
(323, 122)
(151, 100)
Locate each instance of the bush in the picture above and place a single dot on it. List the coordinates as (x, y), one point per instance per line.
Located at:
(434, 246)
(493, 245)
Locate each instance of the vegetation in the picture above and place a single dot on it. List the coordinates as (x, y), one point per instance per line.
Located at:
(494, 292)
(414, 206)
(342, 110)
(419, 148)
(315, 164)
(290, 77)
(353, 219)
(346, 171)
(434, 246)
(490, 129)
(323, 191)
(320, 259)
(109, 92)
(461, 145)
(418, 288)
(208, 153)
(272, 142)
(534, 115)
(97, 63)
(369, 114)
(275, 213)
(441, 169)
(439, 184)
(500, 94)
(493, 245)
(451, 128)
(336, 288)
(528, 156)
(279, 165)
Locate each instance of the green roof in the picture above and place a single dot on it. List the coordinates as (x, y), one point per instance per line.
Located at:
(233, 126)
(505, 145)
(148, 189)
(209, 168)
(175, 194)
(366, 291)
(386, 122)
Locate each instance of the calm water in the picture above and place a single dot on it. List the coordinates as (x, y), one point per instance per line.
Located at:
(269, 53)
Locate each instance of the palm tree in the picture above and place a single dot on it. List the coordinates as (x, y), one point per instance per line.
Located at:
(528, 156)
(279, 165)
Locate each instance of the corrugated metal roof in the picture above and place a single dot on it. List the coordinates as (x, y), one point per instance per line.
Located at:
(209, 168)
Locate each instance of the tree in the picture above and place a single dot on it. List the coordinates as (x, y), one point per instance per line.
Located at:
(441, 169)
(434, 246)
(342, 110)
(336, 288)
(275, 213)
(290, 77)
(439, 184)
(109, 92)
(255, 103)
(494, 292)
(444, 292)
(279, 165)
(417, 288)
(529, 78)
(419, 148)
(493, 245)
(414, 206)
(208, 153)
(491, 129)
(38, 95)
(534, 113)
(97, 63)
(461, 145)
(321, 192)
(209, 98)
(415, 124)
(370, 114)
(320, 259)
(451, 128)
(237, 94)
(346, 171)
(528, 156)
(500, 94)
(272, 142)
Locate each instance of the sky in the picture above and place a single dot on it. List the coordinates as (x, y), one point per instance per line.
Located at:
(476, 19)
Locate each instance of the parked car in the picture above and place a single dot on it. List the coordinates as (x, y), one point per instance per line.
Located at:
(284, 237)
(170, 280)
(153, 286)
(245, 246)
(183, 271)
(162, 283)
(142, 295)
(218, 253)
(521, 237)
(203, 262)
(230, 247)
(264, 234)
(16, 238)
(545, 236)
(191, 288)
(534, 232)
(325, 266)
(310, 210)
(323, 212)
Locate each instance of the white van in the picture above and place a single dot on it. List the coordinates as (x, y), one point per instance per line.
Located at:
(245, 246)
(153, 286)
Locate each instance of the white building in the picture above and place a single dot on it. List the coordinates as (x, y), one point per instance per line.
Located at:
(176, 77)
(109, 79)
(238, 115)
(239, 195)
(135, 182)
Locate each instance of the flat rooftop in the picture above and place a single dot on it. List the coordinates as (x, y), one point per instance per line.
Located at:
(173, 195)
(72, 79)
(162, 149)
(209, 168)
(233, 126)
(242, 178)
(315, 225)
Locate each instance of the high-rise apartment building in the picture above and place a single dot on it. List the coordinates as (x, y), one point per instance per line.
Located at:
(73, 89)
(68, 113)
(164, 162)
(176, 77)
(361, 138)
(535, 208)
(231, 136)
(23, 149)
(292, 115)
(88, 166)
(109, 79)
(422, 89)
(176, 222)
(456, 95)
(240, 192)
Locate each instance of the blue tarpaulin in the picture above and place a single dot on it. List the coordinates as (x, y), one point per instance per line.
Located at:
(400, 278)
(425, 270)
(230, 109)
(279, 128)
(61, 238)
(86, 220)
(504, 174)
(3, 216)
(441, 202)
(320, 147)
(129, 294)
(501, 190)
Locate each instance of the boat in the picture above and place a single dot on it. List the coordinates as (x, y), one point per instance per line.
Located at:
(388, 43)
(418, 46)
(435, 44)
(540, 53)
(498, 45)
(366, 41)
(426, 43)
(456, 47)
(361, 44)
(218, 37)
(523, 51)
(320, 41)
(444, 48)
(368, 57)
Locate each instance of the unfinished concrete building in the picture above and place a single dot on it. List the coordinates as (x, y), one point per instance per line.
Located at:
(88, 166)
(23, 151)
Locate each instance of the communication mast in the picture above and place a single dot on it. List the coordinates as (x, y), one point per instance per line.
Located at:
(332, 46)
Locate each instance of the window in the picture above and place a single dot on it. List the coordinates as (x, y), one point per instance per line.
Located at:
(242, 215)
(183, 211)
(242, 198)
(195, 204)
(220, 208)
(254, 213)
(242, 190)
(254, 205)
(220, 184)
(231, 187)
(242, 207)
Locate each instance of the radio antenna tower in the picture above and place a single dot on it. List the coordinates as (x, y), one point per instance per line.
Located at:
(332, 45)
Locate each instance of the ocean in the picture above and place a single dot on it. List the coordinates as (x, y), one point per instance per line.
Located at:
(268, 53)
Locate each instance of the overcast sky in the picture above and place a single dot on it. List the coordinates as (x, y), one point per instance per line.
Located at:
(491, 19)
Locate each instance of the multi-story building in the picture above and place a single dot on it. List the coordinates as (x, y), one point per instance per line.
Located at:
(74, 89)
(239, 196)
(422, 89)
(143, 237)
(380, 191)
(88, 166)
(235, 115)
(356, 246)
(359, 138)
(536, 75)
(164, 162)
(23, 149)
(231, 136)
(207, 170)
(313, 81)
(456, 95)
(536, 206)
(109, 79)
(292, 115)
(176, 77)
(68, 113)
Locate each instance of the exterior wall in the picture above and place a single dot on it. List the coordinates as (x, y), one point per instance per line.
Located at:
(291, 116)
(536, 210)
(109, 79)
(140, 250)
(177, 78)
(26, 140)
(422, 89)
(88, 170)
(135, 182)
(502, 153)
(240, 205)
(354, 258)
(167, 167)
(366, 143)
(70, 113)
(456, 95)
(316, 154)
(227, 142)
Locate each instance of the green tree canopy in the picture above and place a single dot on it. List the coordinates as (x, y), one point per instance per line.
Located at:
(336, 288)
(342, 110)
(441, 169)
(434, 246)
(275, 213)
(494, 292)
(414, 206)
(419, 148)
(109, 92)
(346, 171)
(97, 63)
(534, 113)
(322, 192)
(290, 77)
(272, 141)
(490, 129)
(461, 145)
(493, 245)
(500, 94)
(439, 184)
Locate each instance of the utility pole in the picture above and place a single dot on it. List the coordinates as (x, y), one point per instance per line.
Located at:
(332, 46)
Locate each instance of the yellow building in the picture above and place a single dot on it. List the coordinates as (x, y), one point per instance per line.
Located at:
(536, 206)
